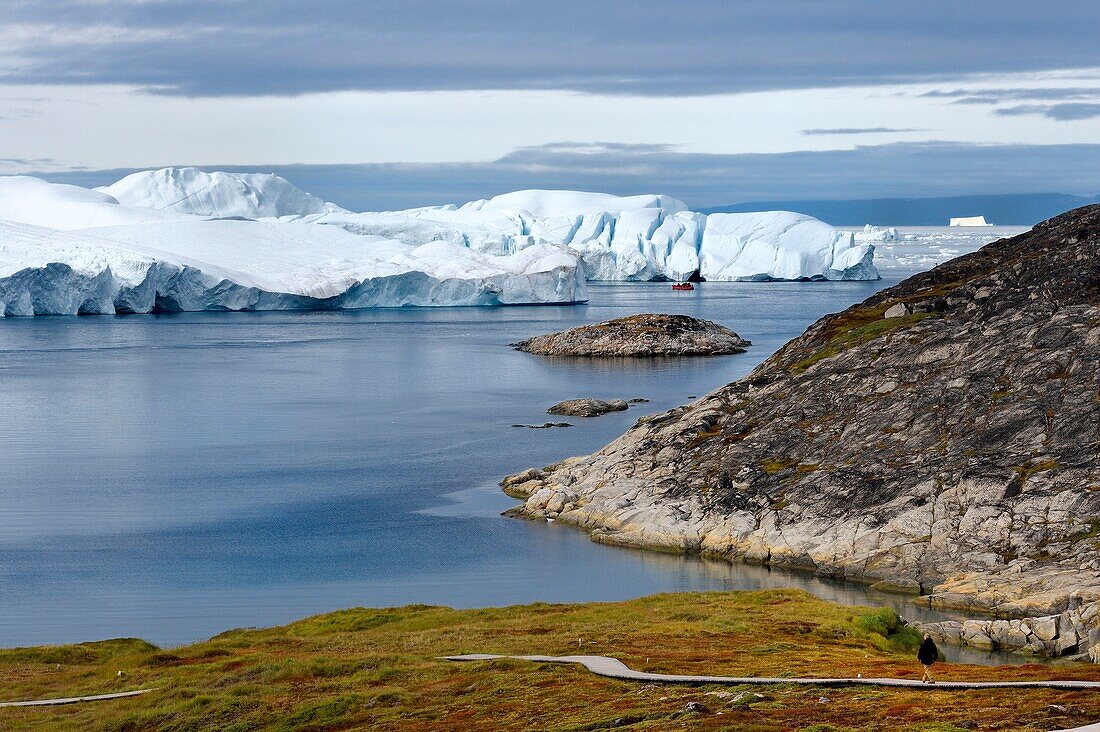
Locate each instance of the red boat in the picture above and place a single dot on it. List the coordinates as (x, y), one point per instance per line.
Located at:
(683, 286)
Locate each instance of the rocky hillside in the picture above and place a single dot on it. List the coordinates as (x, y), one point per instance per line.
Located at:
(942, 437)
(650, 334)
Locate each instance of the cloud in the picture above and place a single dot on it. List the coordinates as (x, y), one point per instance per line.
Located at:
(904, 169)
(857, 130)
(600, 148)
(40, 164)
(1002, 95)
(637, 47)
(1061, 112)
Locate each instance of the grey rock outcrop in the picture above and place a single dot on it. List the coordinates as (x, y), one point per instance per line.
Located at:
(587, 407)
(1073, 631)
(953, 449)
(639, 335)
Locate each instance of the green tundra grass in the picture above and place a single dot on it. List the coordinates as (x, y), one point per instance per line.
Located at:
(377, 669)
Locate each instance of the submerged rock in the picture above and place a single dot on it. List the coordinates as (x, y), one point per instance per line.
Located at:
(544, 425)
(587, 407)
(953, 449)
(639, 335)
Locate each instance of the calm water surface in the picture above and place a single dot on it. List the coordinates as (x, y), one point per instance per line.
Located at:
(170, 477)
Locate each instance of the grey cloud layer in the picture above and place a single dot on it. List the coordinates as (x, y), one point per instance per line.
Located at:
(703, 180)
(1064, 112)
(967, 96)
(648, 47)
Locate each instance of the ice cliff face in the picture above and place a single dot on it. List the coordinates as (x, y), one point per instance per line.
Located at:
(66, 250)
(251, 265)
(643, 237)
(637, 238)
(184, 239)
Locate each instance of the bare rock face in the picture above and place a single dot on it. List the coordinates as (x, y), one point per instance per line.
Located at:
(952, 447)
(639, 335)
(587, 407)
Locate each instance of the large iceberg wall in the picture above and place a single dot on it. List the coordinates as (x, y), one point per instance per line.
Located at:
(635, 238)
(645, 237)
(182, 239)
(193, 265)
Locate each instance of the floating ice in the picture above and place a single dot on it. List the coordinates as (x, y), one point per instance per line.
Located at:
(876, 234)
(183, 239)
(636, 237)
(251, 265)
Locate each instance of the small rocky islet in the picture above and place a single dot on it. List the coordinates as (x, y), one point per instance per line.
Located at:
(645, 335)
(588, 407)
(941, 437)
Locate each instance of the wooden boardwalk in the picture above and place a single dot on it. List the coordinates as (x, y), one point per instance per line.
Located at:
(616, 669)
(74, 699)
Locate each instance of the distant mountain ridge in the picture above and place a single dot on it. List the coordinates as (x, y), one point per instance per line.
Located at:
(1023, 209)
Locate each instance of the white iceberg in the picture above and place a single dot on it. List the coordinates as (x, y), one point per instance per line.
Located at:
(183, 239)
(645, 237)
(217, 194)
(547, 204)
(876, 234)
(251, 265)
(781, 245)
(636, 237)
(968, 221)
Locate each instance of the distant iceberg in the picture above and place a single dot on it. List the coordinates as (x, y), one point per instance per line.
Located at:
(876, 234)
(968, 221)
(179, 239)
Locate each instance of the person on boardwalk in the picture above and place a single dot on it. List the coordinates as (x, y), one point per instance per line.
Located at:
(928, 654)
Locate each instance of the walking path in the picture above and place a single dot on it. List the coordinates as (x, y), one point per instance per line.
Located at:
(74, 699)
(616, 669)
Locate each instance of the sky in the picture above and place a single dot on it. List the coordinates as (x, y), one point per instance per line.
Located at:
(408, 102)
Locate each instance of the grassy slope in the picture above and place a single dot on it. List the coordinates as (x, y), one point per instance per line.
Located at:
(376, 669)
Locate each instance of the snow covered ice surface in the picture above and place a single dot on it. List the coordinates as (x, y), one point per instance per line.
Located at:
(217, 194)
(181, 239)
(34, 201)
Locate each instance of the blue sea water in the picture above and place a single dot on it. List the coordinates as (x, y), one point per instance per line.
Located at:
(170, 477)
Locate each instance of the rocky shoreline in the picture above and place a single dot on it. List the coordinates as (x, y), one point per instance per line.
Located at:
(949, 447)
